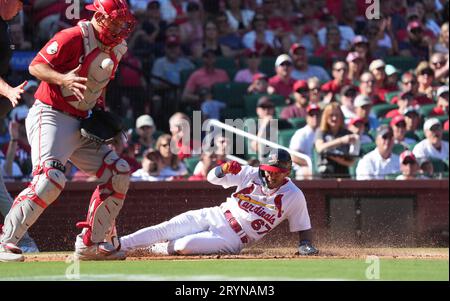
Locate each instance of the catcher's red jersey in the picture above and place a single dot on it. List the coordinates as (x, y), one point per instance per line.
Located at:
(64, 52)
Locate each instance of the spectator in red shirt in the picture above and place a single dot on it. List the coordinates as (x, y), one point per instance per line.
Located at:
(409, 84)
(405, 100)
(446, 125)
(361, 46)
(260, 85)
(377, 68)
(282, 82)
(355, 66)
(441, 107)
(367, 88)
(340, 78)
(331, 50)
(300, 95)
(204, 77)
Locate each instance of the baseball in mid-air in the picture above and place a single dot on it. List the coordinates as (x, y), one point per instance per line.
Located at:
(107, 64)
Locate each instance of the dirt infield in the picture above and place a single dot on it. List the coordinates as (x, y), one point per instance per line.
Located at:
(277, 253)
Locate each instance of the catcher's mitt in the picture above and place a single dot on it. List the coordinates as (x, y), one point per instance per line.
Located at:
(101, 127)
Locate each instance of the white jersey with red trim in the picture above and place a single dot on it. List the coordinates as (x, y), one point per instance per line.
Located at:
(257, 209)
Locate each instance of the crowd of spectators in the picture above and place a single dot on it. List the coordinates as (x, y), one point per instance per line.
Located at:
(363, 98)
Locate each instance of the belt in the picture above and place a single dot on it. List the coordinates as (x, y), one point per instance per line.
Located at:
(236, 227)
(60, 111)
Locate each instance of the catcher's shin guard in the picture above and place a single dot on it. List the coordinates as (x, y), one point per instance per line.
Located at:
(107, 199)
(47, 184)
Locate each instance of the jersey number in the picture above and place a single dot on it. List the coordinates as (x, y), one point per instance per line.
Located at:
(257, 224)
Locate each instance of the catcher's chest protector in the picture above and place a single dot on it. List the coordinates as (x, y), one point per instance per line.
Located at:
(98, 66)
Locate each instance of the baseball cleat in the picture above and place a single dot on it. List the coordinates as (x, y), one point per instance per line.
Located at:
(10, 253)
(97, 251)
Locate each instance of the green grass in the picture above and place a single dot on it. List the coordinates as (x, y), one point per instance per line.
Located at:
(231, 269)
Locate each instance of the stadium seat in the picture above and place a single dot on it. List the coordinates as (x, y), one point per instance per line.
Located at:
(381, 109)
(278, 110)
(232, 113)
(267, 65)
(412, 135)
(404, 63)
(184, 76)
(439, 166)
(385, 121)
(367, 148)
(191, 163)
(284, 136)
(425, 110)
(398, 149)
(297, 123)
(389, 96)
(445, 135)
(420, 134)
(231, 93)
(442, 119)
(316, 60)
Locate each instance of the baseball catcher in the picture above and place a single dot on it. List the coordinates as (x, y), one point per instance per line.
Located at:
(66, 122)
(264, 197)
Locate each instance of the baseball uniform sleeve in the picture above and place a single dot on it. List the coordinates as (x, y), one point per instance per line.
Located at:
(298, 215)
(61, 49)
(229, 180)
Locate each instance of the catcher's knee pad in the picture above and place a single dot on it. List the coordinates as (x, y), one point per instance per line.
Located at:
(107, 199)
(46, 186)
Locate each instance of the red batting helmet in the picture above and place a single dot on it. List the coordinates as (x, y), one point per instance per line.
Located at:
(117, 11)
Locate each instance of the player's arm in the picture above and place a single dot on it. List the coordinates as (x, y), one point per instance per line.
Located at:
(13, 94)
(228, 174)
(70, 80)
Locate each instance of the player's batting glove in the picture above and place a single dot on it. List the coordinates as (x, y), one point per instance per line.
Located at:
(231, 167)
(305, 248)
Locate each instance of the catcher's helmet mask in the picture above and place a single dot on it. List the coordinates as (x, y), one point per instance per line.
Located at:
(119, 14)
(278, 161)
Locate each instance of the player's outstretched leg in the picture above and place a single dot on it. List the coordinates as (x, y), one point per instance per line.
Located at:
(47, 184)
(95, 242)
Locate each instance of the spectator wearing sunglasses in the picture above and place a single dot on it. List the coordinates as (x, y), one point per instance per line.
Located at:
(340, 78)
(398, 125)
(439, 63)
(282, 82)
(381, 162)
(417, 43)
(441, 107)
(405, 100)
(425, 78)
(171, 166)
(409, 167)
(301, 101)
(409, 84)
(432, 146)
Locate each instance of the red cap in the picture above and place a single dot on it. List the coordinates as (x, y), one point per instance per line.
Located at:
(259, 76)
(312, 107)
(407, 154)
(355, 120)
(172, 41)
(397, 119)
(300, 84)
(294, 47)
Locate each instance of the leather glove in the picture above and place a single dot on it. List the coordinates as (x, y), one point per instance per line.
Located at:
(231, 167)
(305, 248)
